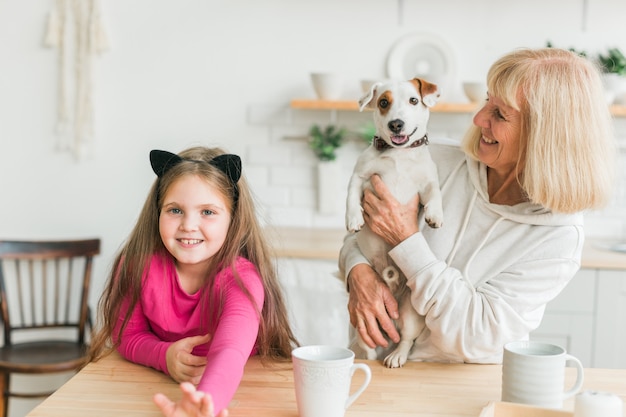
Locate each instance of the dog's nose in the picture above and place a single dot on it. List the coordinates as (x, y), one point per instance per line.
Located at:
(396, 125)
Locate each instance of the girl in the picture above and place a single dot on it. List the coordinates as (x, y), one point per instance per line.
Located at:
(193, 292)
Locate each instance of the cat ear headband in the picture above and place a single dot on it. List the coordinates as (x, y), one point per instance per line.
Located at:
(229, 164)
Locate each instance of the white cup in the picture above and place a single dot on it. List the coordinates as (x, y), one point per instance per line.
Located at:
(322, 378)
(534, 373)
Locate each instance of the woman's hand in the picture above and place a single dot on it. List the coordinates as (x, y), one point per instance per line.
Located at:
(371, 306)
(192, 404)
(385, 216)
(182, 365)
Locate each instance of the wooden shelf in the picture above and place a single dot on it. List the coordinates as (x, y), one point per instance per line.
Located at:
(618, 110)
(352, 105)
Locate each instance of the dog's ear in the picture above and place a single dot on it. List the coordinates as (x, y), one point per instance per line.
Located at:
(367, 98)
(430, 92)
(431, 99)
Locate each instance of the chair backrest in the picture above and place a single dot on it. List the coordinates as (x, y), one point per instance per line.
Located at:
(45, 284)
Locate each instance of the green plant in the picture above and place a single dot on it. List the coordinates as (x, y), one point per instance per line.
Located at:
(613, 61)
(325, 141)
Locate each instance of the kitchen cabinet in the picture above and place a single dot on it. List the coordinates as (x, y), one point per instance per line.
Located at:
(610, 323)
(315, 296)
(316, 300)
(589, 317)
(569, 319)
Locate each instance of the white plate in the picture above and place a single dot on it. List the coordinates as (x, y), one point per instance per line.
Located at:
(422, 55)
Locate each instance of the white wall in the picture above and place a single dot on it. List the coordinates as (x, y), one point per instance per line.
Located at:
(222, 73)
(213, 72)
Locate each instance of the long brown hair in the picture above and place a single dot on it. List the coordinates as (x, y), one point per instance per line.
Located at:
(245, 239)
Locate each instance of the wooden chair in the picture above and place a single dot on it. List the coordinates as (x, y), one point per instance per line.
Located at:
(44, 288)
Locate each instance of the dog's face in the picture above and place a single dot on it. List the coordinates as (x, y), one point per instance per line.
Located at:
(401, 109)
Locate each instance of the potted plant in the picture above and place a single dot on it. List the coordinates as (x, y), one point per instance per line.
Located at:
(324, 141)
(613, 64)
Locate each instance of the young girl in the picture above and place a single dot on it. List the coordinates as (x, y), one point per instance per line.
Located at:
(193, 292)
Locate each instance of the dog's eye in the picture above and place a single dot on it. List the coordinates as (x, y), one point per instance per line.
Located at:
(414, 101)
(383, 103)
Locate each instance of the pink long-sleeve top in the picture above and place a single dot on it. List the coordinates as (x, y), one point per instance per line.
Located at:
(165, 313)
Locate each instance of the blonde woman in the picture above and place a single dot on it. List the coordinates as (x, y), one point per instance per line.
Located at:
(193, 292)
(540, 153)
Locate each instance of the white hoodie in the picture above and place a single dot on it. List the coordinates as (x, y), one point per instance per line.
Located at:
(484, 278)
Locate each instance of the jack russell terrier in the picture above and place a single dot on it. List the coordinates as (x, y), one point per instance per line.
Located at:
(398, 154)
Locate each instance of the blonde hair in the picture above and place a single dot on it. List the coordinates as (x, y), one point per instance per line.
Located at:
(566, 155)
(244, 239)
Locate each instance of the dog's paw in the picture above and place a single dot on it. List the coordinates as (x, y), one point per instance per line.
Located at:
(434, 222)
(395, 359)
(434, 218)
(399, 356)
(355, 222)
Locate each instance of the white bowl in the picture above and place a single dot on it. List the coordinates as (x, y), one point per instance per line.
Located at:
(327, 86)
(475, 91)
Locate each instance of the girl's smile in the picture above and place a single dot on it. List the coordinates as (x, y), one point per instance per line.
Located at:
(193, 224)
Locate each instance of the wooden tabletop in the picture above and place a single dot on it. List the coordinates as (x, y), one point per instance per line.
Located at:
(114, 387)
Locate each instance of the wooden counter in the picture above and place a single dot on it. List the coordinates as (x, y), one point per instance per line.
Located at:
(114, 387)
(309, 243)
(595, 256)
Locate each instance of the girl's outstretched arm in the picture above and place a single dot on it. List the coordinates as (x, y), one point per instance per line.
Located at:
(192, 404)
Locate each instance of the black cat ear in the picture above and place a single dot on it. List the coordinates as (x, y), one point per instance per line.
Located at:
(229, 164)
(162, 161)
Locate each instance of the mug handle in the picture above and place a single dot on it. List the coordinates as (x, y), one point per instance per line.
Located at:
(368, 377)
(579, 376)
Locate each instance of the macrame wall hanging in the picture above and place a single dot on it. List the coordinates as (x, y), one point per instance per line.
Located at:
(76, 30)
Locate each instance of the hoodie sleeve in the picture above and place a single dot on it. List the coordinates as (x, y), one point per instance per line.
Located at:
(350, 256)
(472, 323)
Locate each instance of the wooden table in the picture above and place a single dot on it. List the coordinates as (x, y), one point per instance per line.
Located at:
(114, 387)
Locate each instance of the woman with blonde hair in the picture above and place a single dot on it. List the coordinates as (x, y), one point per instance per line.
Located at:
(193, 291)
(539, 154)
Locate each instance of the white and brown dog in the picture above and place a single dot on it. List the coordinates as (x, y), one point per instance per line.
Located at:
(398, 154)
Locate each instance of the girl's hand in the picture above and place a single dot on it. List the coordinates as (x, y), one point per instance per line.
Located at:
(392, 221)
(192, 404)
(181, 364)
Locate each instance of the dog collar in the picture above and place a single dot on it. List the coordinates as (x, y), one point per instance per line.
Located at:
(381, 145)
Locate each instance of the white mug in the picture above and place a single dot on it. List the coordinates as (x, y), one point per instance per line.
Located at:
(534, 373)
(322, 379)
